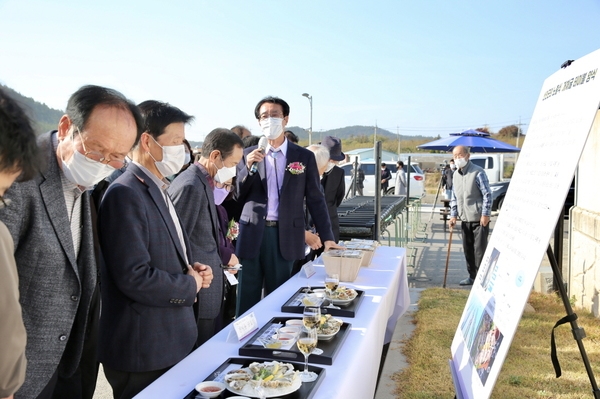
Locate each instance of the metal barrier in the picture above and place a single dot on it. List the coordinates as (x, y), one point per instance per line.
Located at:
(357, 217)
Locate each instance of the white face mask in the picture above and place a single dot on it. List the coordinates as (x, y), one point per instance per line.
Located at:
(224, 174)
(452, 166)
(187, 158)
(460, 162)
(272, 128)
(172, 160)
(220, 194)
(83, 171)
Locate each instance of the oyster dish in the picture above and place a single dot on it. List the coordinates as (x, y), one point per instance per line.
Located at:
(343, 295)
(328, 327)
(275, 378)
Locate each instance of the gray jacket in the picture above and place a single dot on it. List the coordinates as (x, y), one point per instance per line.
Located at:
(194, 202)
(55, 284)
(467, 196)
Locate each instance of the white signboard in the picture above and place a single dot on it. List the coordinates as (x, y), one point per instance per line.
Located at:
(556, 136)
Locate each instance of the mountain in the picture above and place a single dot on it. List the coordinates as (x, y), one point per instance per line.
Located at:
(44, 117)
(352, 131)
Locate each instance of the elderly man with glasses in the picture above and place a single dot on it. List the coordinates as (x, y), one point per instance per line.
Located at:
(50, 220)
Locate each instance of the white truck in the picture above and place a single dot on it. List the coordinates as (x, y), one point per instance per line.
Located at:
(417, 178)
(493, 164)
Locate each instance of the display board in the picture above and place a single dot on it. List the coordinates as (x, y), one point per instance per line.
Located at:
(559, 127)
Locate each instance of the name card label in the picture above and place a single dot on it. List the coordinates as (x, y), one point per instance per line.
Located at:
(309, 269)
(245, 326)
(231, 278)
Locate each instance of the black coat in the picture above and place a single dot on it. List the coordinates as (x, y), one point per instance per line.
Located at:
(386, 175)
(252, 195)
(334, 188)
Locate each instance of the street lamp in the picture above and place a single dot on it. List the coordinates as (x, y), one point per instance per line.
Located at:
(310, 131)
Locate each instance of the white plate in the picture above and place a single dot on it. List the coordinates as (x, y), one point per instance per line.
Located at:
(344, 301)
(248, 388)
(338, 301)
(269, 392)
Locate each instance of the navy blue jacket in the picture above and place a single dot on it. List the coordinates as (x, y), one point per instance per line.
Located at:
(252, 196)
(148, 320)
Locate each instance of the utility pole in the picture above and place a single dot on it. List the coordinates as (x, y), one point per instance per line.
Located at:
(311, 110)
(375, 136)
(518, 134)
(399, 147)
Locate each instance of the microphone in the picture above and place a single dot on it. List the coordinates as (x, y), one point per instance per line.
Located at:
(262, 145)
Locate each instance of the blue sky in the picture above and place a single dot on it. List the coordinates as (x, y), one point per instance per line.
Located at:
(423, 67)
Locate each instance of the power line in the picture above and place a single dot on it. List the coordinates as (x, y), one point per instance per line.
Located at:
(457, 129)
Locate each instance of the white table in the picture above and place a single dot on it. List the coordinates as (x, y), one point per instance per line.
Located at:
(354, 370)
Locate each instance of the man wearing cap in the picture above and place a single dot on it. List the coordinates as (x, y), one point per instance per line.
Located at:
(333, 182)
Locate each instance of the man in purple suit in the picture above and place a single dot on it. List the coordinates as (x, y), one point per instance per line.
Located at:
(271, 235)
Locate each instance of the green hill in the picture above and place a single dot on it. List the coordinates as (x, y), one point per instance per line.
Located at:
(44, 117)
(350, 132)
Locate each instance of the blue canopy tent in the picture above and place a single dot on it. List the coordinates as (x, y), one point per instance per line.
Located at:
(476, 140)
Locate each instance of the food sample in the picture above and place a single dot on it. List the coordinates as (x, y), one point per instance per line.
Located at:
(272, 375)
(329, 325)
(343, 294)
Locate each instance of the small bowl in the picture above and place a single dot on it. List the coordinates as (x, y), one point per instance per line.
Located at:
(210, 389)
(294, 322)
(327, 337)
(295, 330)
(285, 339)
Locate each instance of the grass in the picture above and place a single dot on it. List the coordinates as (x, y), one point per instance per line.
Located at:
(527, 371)
(432, 182)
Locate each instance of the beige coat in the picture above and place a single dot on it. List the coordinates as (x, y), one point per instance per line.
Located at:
(12, 330)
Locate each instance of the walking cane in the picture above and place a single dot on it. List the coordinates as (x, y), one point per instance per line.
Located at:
(448, 256)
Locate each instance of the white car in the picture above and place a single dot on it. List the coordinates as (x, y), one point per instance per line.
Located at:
(416, 185)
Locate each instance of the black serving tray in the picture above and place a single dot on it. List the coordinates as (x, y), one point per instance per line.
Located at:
(330, 347)
(306, 391)
(294, 305)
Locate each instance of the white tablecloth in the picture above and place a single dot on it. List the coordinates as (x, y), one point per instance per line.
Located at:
(354, 370)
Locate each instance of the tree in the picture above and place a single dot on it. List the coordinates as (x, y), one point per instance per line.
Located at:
(509, 131)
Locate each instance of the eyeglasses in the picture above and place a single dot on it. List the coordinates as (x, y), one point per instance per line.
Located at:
(228, 187)
(267, 115)
(95, 156)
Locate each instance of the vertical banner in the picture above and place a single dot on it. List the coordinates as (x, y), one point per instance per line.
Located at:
(564, 113)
